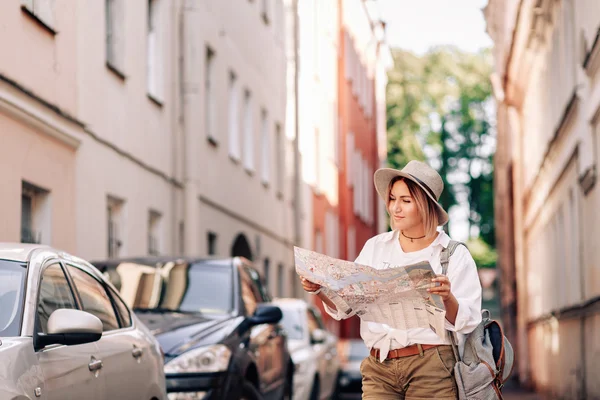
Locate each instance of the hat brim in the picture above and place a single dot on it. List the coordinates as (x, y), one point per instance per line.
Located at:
(382, 179)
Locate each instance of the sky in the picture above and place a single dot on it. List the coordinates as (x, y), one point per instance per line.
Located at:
(417, 25)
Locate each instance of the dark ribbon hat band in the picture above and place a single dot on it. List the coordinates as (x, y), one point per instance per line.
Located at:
(424, 185)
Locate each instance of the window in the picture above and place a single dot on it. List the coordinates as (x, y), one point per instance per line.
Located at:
(265, 12)
(94, 298)
(35, 214)
(267, 273)
(280, 280)
(319, 242)
(114, 214)
(279, 156)
(266, 148)
(155, 56)
(351, 243)
(349, 159)
(212, 243)
(42, 11)
(234, 118)
(248, 133)
(123, 312)
(115, 39)
(209, 96)
(154, 218)
(54, 293)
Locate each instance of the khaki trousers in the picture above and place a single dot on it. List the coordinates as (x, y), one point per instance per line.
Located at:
(429, 375)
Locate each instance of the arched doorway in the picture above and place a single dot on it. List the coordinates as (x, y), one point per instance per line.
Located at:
(241, 247)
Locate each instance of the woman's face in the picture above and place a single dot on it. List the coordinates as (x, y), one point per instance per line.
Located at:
(402, 207)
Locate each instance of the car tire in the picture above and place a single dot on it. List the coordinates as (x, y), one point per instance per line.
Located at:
(315, 390)
(250, 392)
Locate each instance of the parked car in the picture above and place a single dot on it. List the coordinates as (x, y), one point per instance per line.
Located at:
(313, 350)
(213, 319)
(65, 333)
(351, 353)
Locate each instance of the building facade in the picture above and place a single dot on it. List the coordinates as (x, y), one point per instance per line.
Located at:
(546, 82)
(342, 75)
(148, 127)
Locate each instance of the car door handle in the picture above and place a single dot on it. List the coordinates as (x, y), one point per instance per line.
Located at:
(137, 352)
(95, 365)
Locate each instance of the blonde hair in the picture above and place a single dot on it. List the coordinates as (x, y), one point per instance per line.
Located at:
(426, 207)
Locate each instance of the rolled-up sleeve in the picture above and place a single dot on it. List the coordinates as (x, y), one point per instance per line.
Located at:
(465, 285)
(364, 258)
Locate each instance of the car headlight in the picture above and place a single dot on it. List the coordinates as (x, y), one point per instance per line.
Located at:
(213, 358)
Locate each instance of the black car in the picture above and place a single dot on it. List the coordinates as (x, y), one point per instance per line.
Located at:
(351, 352)
(213, 320)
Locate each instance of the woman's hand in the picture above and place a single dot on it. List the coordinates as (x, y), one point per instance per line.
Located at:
(441, 288)
(309, 286)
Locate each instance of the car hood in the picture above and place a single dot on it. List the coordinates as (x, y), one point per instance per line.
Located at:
(176, 330)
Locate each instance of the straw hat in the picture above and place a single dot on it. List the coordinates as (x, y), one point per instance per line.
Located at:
(420, 173)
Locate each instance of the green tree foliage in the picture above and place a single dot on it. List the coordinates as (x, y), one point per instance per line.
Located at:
(440, 109)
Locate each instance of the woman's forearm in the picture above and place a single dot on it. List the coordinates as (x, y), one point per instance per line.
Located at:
(451, 305)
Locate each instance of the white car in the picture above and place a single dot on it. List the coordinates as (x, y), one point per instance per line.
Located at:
(66, 334)
(313, 350)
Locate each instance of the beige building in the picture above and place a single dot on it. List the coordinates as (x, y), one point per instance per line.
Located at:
(147, 127)
(547, 56)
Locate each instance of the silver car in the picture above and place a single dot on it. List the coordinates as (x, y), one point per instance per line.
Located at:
(66, 334)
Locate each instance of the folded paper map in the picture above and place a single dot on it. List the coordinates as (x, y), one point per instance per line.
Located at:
(396, 295)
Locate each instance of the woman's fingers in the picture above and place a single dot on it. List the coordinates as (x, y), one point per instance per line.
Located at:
(308, 285)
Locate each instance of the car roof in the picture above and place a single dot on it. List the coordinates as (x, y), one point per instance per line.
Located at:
(157, 260)
(19, 251)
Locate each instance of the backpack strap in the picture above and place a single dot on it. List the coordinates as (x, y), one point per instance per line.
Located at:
(445, 260)
(447, 253)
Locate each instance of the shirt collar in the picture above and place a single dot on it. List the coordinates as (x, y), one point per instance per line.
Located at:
(441, 239)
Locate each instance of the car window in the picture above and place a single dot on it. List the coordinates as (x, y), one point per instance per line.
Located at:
(249, 292)
(122, 310)
(54, 293)
(206, 288)
(94, 298)
(260, 289)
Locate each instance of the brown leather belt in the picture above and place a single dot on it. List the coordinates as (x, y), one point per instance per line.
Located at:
(407, 351)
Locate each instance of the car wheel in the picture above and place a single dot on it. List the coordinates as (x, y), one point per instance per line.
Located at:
(249, 392)
(316, 389)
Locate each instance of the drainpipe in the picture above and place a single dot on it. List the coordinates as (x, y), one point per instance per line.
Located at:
(297, 179)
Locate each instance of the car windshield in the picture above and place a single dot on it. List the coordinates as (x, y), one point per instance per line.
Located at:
(357, 350)
(292, 323)
(12, 284)
(204, 287)
(209, 289)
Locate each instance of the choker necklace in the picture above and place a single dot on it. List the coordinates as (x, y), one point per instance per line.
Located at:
(411, 238)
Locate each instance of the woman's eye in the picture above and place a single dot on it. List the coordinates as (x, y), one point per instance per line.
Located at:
(406, 201)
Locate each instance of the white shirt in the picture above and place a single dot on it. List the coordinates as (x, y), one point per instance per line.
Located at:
(384, 250)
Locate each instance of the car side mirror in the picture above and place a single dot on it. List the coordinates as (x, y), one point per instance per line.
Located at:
(70, 327)
(318, 336)
(265, 314)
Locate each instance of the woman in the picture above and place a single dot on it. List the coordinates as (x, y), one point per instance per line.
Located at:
(414, 363)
